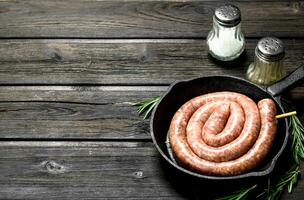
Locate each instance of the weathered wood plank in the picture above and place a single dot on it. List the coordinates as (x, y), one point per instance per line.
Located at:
(97, 170)
(142, 19)
(59, 170)
(73, 112)
(86, 112)
(123, 62)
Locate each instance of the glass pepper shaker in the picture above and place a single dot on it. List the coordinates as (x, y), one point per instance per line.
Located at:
(225, 40)
(267, 67)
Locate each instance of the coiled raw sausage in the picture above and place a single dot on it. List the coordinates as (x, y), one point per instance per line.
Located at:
(223, 133)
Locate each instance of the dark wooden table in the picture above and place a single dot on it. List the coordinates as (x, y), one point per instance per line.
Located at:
(71, 70)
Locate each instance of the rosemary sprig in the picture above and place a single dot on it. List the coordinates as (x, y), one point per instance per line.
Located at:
(290, 178)
(239, 195)
(145, 107)
(297, 131)
(273, 192)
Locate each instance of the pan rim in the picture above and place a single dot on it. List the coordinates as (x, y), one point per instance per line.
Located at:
(265, 172)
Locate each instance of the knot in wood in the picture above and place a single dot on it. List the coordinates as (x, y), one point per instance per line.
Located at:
(53, 167)
(56, 56)
(144, 55)
(142, 58)
(139, 174)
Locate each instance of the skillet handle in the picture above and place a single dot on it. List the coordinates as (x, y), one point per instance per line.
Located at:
(290, 81)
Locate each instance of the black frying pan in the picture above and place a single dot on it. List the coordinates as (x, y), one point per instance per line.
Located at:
(182, 91)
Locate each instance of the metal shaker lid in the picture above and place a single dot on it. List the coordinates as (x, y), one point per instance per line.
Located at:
(228, 15)
(270, 49)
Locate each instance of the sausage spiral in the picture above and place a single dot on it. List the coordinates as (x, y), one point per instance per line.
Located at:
(223, 133)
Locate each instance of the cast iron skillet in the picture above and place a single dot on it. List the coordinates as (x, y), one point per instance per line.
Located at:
(182, 91)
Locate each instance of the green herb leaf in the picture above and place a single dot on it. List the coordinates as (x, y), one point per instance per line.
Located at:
(288, 180)
(145, 107)
(290, 187)
(297, 131)
(239, 195)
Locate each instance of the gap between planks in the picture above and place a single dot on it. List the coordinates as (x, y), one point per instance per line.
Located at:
(105, 40)
(82, 143)
(83, 88)
(123, 40)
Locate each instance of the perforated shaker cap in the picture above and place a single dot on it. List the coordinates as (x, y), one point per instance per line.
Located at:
(270, 49)
(228, 15)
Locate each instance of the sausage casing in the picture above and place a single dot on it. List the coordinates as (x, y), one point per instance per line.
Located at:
(223, 133)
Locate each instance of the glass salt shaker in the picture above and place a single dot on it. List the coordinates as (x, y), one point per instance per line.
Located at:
(225, 40)
(267, 67)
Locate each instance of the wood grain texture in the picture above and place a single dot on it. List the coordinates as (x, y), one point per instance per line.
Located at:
(83, 112)
(142, 19)
(74, 112)
(98, 170)
(123, 62)
(74, 96)
(59, 170)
